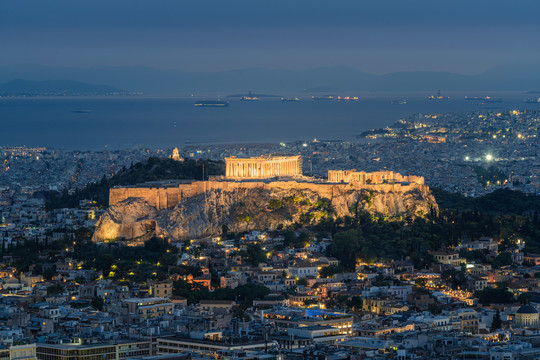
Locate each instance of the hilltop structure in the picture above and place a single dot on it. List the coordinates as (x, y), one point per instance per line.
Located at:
(374, 178)
(176, 155)
(263, 167)
(266, 172)
(182, 209)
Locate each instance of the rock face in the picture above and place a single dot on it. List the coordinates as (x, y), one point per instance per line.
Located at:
(244, 209)
(134, 219)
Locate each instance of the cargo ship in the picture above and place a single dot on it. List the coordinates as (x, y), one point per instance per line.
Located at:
(484, 99)
(290, 99)
(347, 98)
(211, 103)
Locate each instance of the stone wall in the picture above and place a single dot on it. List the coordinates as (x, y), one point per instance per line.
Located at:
(168, 197)
(204, 207)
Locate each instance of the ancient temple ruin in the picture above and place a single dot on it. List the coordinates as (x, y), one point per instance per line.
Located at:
(262, 167)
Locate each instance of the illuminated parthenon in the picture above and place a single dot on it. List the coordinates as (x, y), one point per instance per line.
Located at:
(263, 167)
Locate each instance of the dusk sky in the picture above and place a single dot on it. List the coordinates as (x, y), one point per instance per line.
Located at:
(376, 36)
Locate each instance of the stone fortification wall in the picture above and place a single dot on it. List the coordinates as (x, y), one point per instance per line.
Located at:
(202, 208)
(168, 197)
(158, 197)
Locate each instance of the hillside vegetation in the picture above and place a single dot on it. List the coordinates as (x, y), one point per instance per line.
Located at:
(154, 169)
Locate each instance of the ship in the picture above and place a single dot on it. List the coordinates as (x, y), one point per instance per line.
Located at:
(438, 96)
(211, 103)
(325, 97)
(532, 101)
(484, 99)
(249, 98)
(347, 98)
(398, 102)
(290, 99)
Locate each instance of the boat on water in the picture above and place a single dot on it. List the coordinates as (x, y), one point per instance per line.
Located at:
(398, 102)
(347, 98)
(325, 97)
(249, 98)
(438, 96)
(484, 99)
(211, 103)
(532, 101)
(290, 99)
(83, 111)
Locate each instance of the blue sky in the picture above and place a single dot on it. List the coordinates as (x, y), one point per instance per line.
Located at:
(376, 36)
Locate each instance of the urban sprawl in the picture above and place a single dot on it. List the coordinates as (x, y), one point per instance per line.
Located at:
(272, 294)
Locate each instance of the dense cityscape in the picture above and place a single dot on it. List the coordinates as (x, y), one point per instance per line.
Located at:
(335, 288)
(269, 180)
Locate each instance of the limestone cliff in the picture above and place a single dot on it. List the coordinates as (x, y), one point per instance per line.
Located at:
(242, 209)
(133, 219)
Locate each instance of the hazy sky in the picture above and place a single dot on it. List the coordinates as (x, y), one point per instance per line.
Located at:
(377, 36)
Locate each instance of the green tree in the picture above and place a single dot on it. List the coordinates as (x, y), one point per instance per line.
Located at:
(497, 322)
(344, 248)
(501, 260)
(355, 303)
(97, 303)
(434, 309)
(499, 295)
(54, 290)
(254, 254)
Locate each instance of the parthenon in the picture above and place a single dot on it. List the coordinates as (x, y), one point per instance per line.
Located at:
(263, 167)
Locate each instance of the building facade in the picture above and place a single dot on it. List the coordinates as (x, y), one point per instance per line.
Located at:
(372, 178)
(263, 167)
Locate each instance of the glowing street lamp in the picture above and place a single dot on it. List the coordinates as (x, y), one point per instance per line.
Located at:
(489, 157)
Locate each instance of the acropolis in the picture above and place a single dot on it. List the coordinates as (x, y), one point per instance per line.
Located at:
(266, 172)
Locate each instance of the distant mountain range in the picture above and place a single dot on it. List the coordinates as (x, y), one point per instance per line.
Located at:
(56, 88)
(329, 79)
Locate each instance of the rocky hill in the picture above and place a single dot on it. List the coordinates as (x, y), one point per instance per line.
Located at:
(244, 209)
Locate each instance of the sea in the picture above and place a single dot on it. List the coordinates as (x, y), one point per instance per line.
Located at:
(99, 123)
